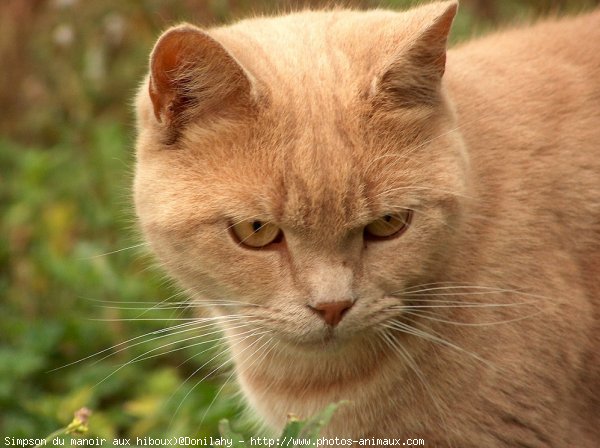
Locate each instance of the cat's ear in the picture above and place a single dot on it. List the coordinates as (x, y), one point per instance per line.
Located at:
(193, 74)
(413, 77)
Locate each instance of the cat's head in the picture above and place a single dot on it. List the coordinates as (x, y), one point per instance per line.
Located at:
(302, 171)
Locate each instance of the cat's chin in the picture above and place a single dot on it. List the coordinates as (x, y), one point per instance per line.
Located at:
(329, 340)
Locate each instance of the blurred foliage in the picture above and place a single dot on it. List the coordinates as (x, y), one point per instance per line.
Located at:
(306, 432)
(74, 278)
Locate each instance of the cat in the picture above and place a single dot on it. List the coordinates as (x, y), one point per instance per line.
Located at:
(374, 218)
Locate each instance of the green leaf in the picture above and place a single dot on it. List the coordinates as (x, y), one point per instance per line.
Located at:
(293, 427)
(228, 433)
(313, 427)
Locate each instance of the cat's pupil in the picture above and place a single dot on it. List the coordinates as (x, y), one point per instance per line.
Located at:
(387, 218)
(256, 225)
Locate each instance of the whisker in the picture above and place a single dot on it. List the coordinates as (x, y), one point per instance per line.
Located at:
(189, 328)
(236, 340)
(431, 284)
(159, 304)
(230, 377)
(163, 332)
(189, 303)
(427, 300)
(469, 324)
(169, 306)
(137, 358)
(477, 287)
(113, 252)
(208, 374)
(405, 328)
(247, 324)
(475, 305)
(159, 319)
(398, 348)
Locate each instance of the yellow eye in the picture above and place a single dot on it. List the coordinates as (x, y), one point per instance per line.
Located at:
(388, 226)
(256, 234)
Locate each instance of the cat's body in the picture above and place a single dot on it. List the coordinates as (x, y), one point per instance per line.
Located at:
(322, 122)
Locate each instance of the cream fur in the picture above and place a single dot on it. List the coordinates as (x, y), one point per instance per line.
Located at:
(339, 118)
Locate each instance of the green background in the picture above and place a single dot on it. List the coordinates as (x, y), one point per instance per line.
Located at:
(74, 277)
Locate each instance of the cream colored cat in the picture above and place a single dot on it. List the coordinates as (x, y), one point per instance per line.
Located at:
(373, 219)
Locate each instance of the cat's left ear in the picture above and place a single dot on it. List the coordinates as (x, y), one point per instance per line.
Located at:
(413, 77)
(191, 74)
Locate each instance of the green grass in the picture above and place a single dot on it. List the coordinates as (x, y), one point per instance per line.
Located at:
(63, 210)
(68, 256)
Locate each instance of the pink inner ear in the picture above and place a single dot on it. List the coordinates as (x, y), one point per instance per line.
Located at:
(192, 74)
(428, 52)
(174, 50)
(413, 78)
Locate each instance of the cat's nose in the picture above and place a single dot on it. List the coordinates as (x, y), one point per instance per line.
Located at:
(332, 312)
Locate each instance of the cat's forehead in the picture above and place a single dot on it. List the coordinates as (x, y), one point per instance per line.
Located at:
(324, 184)
(323, 50)
(321, 175)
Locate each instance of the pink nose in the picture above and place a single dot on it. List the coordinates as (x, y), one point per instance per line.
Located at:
(332, 312)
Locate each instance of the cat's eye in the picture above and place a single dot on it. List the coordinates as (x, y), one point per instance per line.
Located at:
(256, 234)
(388, 226)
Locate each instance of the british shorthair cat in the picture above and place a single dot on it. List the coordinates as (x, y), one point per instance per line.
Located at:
(373, 218)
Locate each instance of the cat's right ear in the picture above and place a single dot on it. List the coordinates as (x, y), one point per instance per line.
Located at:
(413, 78)
(191, 74)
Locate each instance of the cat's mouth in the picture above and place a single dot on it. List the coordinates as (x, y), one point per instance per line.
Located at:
(328, 342)
(330, 336)
(306, 329)
(327, 338)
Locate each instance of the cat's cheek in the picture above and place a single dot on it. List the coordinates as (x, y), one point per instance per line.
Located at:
(392, 265)
(395, 266)
(251, 276)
